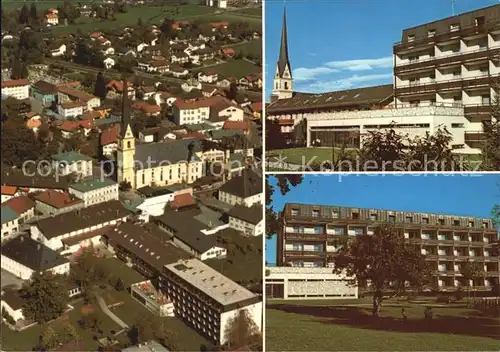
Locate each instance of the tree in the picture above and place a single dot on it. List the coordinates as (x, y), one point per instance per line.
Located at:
(242, 332)
(274, 138)
(19, 144)
(119, 286)
(24, 15)
(490, 150)
(233, 91)
(385, 260)
(48, 338)
(100, 87)
(46, 297)
(147, 328)
(283, 183)
(33, 13)
(470, 270)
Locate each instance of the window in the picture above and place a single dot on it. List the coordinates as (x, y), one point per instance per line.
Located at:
(355, 216)
(456, 222)
(471, 223)
(335, 214)
(457, 125)
(425, 220)
(373, 217)
(485, 225)
(454, 27)
(318, 230)
(411, 37)
(392, 219)
(441, 222)
(485, 99)
(128, 144)
(409, 219)
(315, 213)
(480, 21)
(295, 212)
(431, 32)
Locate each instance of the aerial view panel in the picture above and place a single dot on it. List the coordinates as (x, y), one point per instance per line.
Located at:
(132, 194)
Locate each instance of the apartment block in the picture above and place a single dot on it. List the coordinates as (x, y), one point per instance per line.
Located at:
(453, 62)
(207, 300)
(312, 235)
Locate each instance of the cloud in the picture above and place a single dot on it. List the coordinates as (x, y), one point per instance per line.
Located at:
(344, 83)
(362, 65)
(308, 74)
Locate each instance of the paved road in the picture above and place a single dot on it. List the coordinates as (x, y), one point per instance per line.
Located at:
(109, 313)
(251, 94)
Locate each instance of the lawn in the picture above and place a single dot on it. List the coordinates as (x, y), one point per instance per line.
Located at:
(303, 326)
(40, 5)
(251, 11)
(244, 259)
(304, 155)
(235, 68)
(27, 339)
(122, 271)
(253, 47)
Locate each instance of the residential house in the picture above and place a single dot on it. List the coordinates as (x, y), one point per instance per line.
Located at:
(8, 192)
(205, 54)
(52, 19)
(179, 58)
(247, 220)
(33, 121)
(108, 139)
(71, 108)
(95, 191)
(160, 66)
(17, 88)
(10, 222)
(66, 94)
(67, 128)
(244, 189)
(109, 62)
(228, 52)
(219, 25)
(23, 206)
(23, 256)
(72, 163)
(108, 51)
(116, 89)
(208, 76)
(186, 113)
(52, 202)
(57, 49)
(178, 71)
(146, 108)
(222, 109)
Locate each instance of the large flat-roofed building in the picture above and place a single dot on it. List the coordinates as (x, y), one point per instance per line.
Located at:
(308, 283)
(312, 234)
(455, 62)
(446, 75)
(207, 300)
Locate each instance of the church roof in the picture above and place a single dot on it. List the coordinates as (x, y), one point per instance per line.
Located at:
(168, 152)
(283, 59)
(343, 99)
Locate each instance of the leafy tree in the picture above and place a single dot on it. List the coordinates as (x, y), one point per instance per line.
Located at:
(147, 328)
(242, 332)
(46, 297)
(33, 13)
(119, 286)
(495, 214)
(283, 183)
(18, 142)
(471, 270)
(48, 338)
(274, 138)
(385, 260)
(100, 87)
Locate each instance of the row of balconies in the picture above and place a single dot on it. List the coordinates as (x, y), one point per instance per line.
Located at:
(457, 273)
(456, 57)
(483, 81)
(454, 32)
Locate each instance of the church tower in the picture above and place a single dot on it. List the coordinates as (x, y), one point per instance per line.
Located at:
(283, 81)
(126, 144)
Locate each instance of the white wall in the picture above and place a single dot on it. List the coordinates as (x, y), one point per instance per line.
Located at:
(18, 92)
(15, 314)
(96, 196)
(9, 228)
(232, 199)
(24, 272)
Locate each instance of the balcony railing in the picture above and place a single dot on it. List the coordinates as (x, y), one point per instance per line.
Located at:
(460, 32)
(477, 137)
(458, 83)
(305, 253)
(460, 56)
(305, 237)
(492, 273)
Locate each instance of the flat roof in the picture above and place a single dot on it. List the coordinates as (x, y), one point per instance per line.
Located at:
(219, 287)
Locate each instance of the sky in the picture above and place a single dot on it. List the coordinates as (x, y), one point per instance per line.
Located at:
(343, 44)
(458, 194)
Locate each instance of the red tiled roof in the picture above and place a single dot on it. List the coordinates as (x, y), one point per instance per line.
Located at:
(182, 200)
(8, 190)
(72, 104)
(96, 35)
(33, 123)
(257, 107)
(15, 83)
(20, 204)
(118, 85)
(51, 15)
(236, 125)
(71, 125)
(219, 24)
(57, 199)
(228, 51)
(148, 108)
(79, 94)
(110, 135)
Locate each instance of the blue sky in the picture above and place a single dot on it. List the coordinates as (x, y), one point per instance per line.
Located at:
(343, 44)
(468, 195)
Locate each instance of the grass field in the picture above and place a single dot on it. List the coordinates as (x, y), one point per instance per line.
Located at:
(253, 47)
(27, 339)
(298, 155)
(251, 11)
(332, 326)
(11, 5)
(235, 68)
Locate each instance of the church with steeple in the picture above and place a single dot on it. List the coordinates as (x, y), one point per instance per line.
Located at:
(155, 164)
(283, 80)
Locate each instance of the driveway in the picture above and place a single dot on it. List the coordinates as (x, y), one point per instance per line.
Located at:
(9, 279)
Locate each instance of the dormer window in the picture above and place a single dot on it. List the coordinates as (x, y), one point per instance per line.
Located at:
(315, 213)
(431, 32)
(411, 37)
(456, 222)
(480, 21)
(454, 27)
(295, 212)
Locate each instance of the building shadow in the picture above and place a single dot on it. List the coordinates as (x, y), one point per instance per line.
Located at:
(360, 317)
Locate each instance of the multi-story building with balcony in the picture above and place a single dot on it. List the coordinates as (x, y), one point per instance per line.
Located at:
(311, 236)
(446, 75)
(452, 62)
(207, 300)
